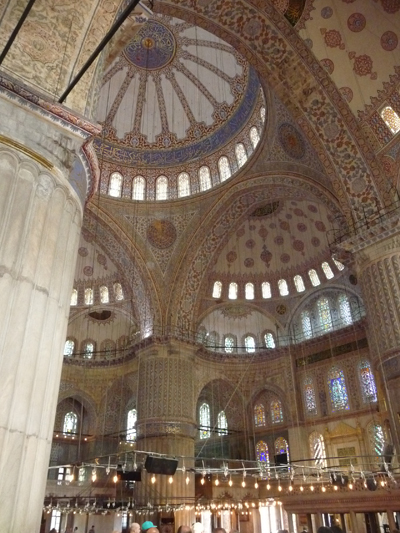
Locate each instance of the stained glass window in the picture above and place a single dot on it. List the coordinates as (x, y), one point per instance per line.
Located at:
(115, 185)
(222, 423)
(205, 421)
(299, 283)
(74, 297)
(131, 425)
(205, 178)
(183, 184)
(118, 292)
(262, 452)
(339, 265)
(306, 324)
(276, 412)
(368, 386)
(324, 313)
(317, 449)
(281, 446)
(249, 291)
(376, 438)
(259, 415)
(250, 344)
(309, 396)
(88, 296)
(88, 349)
(233, 291)
(162, 188)
(212, 339)
(391, 119)
(266, 289)
(70, 423)
(104, 298)
(217, 289)
(283, 287)
(108, 348)
(337, 389)
(138, 188)
(229, 343)
(312, 274)
(224, 168)
(262, 113)
(327, 270)
(254, 136)
(69, 347)
(269, 340)
(241, 155)
(345, 310)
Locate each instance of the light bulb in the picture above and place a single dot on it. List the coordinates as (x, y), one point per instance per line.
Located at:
(115, 478)
(243, 483)
(187, 480)
(290, 488)
(323, 489)
(351, 486)
(279, 488)
(153, 479)
(256, 485)
(230, 483)
(170, 480)
(202, 481)
(268, 486)
(311, 487)
(217, 482)
(335, 487)
(301, 488)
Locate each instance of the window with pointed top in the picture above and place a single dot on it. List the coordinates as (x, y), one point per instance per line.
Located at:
(259, 415)
(345, 310)
(162, 188)
(229, 343)
(241, 154)
(88, 350)
(299, 283)
(254, 137)
(317, 449)
(281, 447)
(74, 297)
(391, 119)
(367, 381)
(339, 265)
(233, 291)
(262, 452)
(69, 348)
(249, 291)
(222, 423)
(138, 188)
(205, 421)
(183, 184)
(250, 344)
(118, 292)
(327, 270)
(276, 412)
(324, 313)
(217, 289)
(266, 289)
(115, 185)
(205, 178)
(309, 396)
(283, 287)
(306, 324)
(376, 438)
(131, 420)
(338, 390)
(269, 340)
(88, 296)
(312, 274)
(224, 168)
(104, 297)
(70, 425)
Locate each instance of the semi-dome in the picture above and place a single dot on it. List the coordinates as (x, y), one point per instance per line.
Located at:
(179, 104)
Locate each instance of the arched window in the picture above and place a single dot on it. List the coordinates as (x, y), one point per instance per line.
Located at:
(376, 438)
(205, 178)
(306, 324)
(337, 390)
(212, 339)
(69, 347)
(345, 310)
(108, 348)
(241, 155)
(183, 184)
(74, 297)
(339, 265)
(88, 296)
(118, 293)
(250, 344)
(217, 289)
(327, 270)
(162, 188)
(205, 421)
(249, 291)
(254, 137)
(224, 168)
(115, 185)
(281, 447)
(391, 119)
(70, 423)
(88, 349)
(324, 314)
(259, 415)
(299, 283)
(229, 343)
(269, 340)
(276, 412)
(309, 396)
(131, 425)
(312, 274)
(262, 113)
(266, 289)
(104, 298)
(138, 188)
(233, 291)
(368, 387)
(317, 449)
(262, 452)
(283, 287)
(222, 423)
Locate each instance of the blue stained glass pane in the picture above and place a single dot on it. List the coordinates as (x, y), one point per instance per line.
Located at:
(262, 452)
(276, 412)
(325, 319)
(367, 382)
(281, 446)
(259, 415)
(309, 395)
(337, 390)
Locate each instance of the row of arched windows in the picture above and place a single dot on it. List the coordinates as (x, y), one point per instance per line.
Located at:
(249, 288)
(104, 294)
(230, 344)
(205, 422)
(275, 410)
(108, 347)
(262, 452)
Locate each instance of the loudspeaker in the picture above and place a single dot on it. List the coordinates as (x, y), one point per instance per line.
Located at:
(371, 484)
(388, 452)
(281, 459)
(160, 465)
(133, 475)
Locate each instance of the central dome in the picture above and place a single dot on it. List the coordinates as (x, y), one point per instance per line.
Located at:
(176, 99)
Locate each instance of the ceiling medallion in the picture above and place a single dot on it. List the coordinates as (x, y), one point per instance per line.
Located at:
(161, 234)
(152, 48)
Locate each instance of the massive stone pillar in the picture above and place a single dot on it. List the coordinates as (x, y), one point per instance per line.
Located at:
(166, 424)
(40, 219)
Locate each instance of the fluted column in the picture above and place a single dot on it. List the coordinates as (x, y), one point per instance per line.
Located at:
(166, 422)
(40, 221)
